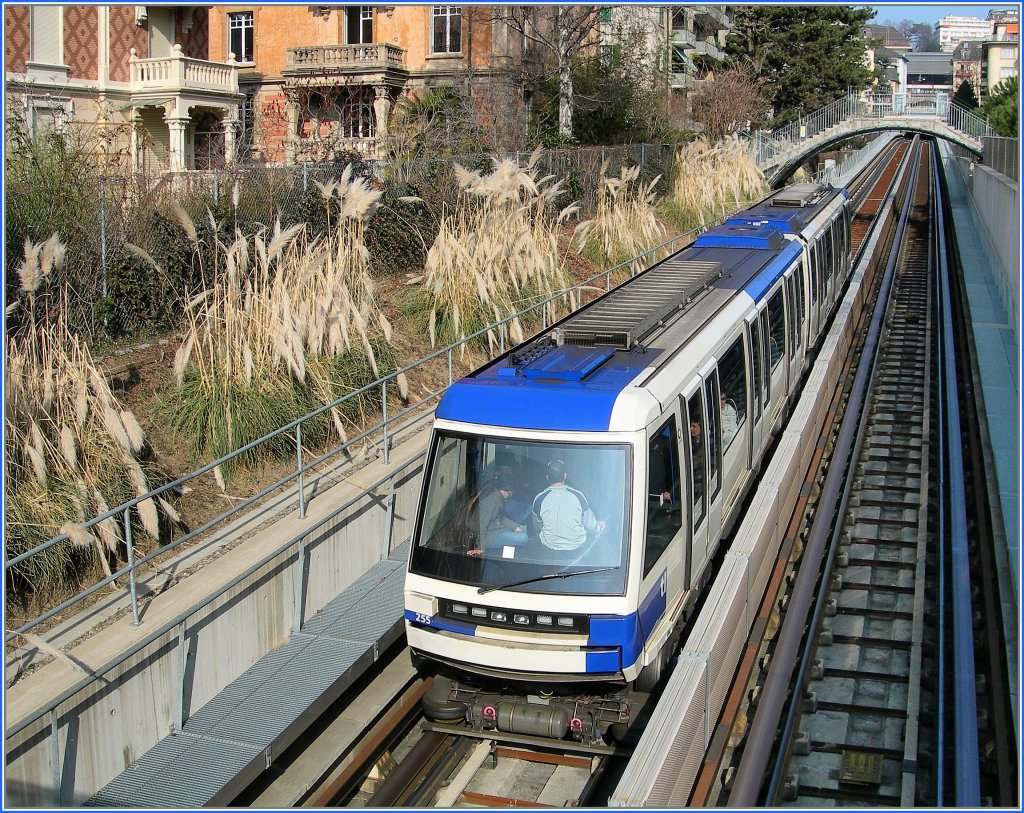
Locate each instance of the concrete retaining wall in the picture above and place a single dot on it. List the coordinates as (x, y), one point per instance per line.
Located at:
(996, 199)
(191, 646)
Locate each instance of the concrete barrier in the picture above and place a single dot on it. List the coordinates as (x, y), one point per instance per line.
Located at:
(126, 687)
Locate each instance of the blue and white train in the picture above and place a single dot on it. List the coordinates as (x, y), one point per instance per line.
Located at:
(660, 399)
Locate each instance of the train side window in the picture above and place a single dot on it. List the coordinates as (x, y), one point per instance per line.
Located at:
(732, 370)
(712, 410)
(664, 504)
(765, 356)
(776, 328)
(695, 421)
(791, 319)
(828, 256)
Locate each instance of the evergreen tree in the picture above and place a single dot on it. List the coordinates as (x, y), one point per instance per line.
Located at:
(807, 56)
(965, 97)
(1002, 107)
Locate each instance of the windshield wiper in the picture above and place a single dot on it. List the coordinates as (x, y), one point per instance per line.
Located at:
(563, 574)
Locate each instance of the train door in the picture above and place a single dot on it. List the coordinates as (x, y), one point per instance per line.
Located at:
(779, 350)
(754, 369)
(665, 549)
(794, 324)
(713, 446)
(802, 332)
(814, 293)
(766, 367)
(732, 375)
(694, 445)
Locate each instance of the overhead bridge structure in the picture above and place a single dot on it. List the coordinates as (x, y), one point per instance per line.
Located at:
(779, 153)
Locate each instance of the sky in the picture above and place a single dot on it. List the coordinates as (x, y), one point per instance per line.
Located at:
(931, 12)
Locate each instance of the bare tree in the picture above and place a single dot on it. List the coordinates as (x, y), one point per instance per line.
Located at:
(560, 33)
(728, 103)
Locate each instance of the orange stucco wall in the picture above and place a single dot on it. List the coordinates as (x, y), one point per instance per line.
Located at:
(278, 28)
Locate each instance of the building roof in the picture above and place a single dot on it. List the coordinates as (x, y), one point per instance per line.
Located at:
(967, 51)
(890, 37)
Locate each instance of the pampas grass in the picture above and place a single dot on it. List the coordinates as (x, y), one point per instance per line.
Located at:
(495, 253)
(278, 331)
(625, 224)
(70, 448)
(711, 179)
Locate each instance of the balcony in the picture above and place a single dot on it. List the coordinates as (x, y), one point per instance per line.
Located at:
(710, 49)
(379, 59)
(181, 74)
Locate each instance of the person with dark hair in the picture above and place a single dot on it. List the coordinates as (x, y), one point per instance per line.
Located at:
(498, 526)
(561, 514)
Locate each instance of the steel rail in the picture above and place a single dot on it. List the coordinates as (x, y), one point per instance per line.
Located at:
(750, 773)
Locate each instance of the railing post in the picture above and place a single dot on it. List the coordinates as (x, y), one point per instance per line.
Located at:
(390, 525)
(300, 586)
(302, 479)
(449, 366)
(179, 698)
(132, 586)
(384, 420)
(55, 771)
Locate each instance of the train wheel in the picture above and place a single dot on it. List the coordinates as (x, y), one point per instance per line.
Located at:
(651, 674)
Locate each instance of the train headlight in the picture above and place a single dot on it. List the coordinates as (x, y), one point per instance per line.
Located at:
(480, 612)
(499, 617)
(519, 618)
(544, 619)
(462, 609)
(564, 621)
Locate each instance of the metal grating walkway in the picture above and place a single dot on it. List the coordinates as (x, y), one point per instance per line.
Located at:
(235, 736)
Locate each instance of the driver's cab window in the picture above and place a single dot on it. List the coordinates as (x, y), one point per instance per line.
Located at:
(664, 508)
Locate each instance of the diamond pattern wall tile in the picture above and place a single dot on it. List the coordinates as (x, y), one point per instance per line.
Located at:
(80, 41)
(125, 35)
(15, 38)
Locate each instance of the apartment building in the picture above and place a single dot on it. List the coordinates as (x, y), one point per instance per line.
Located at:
(954, 29)
(137, 80)
(967, 61)
(1002, 53)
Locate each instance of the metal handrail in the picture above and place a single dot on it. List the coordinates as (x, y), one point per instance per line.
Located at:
(767, 146)
(124, 510)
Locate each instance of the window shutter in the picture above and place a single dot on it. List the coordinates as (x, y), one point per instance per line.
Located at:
(45, 28)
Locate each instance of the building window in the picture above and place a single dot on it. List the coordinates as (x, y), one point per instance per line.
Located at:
(240, 35)
(447, 30)
(1007, 73)
(1008, 53)
(45, 28)
(359, 25)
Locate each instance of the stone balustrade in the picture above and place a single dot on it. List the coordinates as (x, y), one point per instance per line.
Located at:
(179, 73)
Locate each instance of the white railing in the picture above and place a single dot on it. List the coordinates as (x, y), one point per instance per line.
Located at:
(179, 72)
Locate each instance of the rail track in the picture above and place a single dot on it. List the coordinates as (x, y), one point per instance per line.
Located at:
(881, 672)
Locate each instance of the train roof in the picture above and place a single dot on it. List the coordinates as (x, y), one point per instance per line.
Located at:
(790, 210)
(570, 377)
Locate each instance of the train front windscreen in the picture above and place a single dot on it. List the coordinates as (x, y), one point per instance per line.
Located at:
(525, 515)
